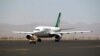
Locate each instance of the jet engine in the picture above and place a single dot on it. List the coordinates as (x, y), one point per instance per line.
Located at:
(29, 37)
(57, 37)
(32, 38)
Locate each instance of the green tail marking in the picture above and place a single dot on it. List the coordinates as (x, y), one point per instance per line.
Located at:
(58, 20)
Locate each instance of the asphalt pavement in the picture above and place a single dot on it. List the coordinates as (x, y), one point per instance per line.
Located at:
(50, 48)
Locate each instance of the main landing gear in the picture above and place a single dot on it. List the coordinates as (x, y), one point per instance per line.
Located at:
(34, 41)
(39, 40)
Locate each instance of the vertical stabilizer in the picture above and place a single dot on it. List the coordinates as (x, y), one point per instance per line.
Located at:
(58, 20)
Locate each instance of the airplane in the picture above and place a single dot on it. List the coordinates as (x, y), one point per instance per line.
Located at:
(47, 31)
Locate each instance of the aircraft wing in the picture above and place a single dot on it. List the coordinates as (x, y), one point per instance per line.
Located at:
(66, 28)
(68, 32)
(21, 32)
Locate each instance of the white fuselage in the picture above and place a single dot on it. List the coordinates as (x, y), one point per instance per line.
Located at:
(43, 31)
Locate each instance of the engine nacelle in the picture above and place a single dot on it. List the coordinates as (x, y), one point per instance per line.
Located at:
(29, 37)
(58, 37)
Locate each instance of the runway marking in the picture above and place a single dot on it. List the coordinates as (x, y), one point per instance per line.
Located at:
(28, 49)
(21, 49)
(87, 46)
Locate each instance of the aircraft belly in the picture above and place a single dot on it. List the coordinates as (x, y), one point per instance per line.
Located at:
(43, 35)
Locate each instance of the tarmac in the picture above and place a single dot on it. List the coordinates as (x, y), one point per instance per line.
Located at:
(50, 48)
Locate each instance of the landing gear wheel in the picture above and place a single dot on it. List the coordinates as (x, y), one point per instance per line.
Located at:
(32, 42)
(39, 40)
(57, 40)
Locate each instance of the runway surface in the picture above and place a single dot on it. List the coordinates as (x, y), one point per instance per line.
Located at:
(50, 48)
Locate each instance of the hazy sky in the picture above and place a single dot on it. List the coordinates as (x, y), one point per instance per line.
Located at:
(29, 11)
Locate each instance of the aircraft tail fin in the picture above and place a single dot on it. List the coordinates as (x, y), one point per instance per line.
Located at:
(58, 20)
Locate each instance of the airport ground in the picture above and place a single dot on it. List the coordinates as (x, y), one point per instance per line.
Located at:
(50, 48)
